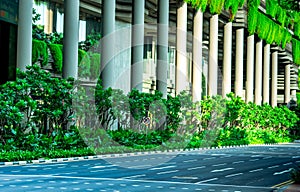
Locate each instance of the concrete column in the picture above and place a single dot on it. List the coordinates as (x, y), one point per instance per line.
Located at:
(71, 36)
(258, 73)
(226, 87)
(287, 84)
(137, 58)
(239, 62)
(24, 47)
(197, 56)
(266, 81)
(162, 46)
(107, 51)
(250, 69)
(274, 79)
(213, 57)
(181, 53)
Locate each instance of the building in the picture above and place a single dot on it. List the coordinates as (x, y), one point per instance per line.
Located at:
(249, 48)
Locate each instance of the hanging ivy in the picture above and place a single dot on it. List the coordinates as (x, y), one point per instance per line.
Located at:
(297, 30)
(233, 6)
(198, 4)
(253, 3)
(252, 20)
(296, 51)
(216, 6)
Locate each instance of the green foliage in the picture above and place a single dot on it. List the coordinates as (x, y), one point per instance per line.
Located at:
(91, 43)
(231, 121)
(233, 6)
(84, 64)
(57, 55)
(198, 4)
(95, 65)
(35, 111)
(296, 51)
(216, 6)
(289, 4)
(39, 51)
(258, 23)
(26, 155)
(253, 4)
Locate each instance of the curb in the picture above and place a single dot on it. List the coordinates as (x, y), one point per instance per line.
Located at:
(57, 160)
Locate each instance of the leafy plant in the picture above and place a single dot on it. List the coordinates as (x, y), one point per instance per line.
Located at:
(57, 56)
(39, 51)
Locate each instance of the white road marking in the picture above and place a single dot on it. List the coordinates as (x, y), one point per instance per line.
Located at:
(131, 180)
(237, 162)
(179, 177)
(213, 179)
(139, 166)
(134, 176)
(220, 164)
(256, 156)
(102, 166)
(253, 159)
(209, 158)
(282, 172)
(233, 175)
(102, 170)
(167, 172)
(159, 168)
(17, 171)
(256, 170)
(275, 166)
(221, 170)
(194, 168)
(296, 157)
(290, 163)
(188, 161)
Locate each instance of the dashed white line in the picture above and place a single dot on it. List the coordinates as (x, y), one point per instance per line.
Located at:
(189, 161)
(253, 159)
(159, 168)
(178, 177)
(233, 175)
(221, 170)
(167, 172)
(256, 170)
(237, 162)
(209, 158)
(194, 168)
(204, 181)
(282, 172)
(275, 166)
(217, 165)
(134, 176)
(290, 163)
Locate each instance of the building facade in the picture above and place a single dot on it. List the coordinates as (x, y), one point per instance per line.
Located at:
(179, 45)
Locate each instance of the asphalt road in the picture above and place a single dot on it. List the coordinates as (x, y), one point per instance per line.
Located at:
(244, 169)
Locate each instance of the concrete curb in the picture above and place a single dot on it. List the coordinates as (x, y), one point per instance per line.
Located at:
(57, 160)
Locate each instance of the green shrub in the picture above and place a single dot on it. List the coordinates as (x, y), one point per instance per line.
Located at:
(57, 55)
(39, 51)
(35, 111)
(95, 65)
